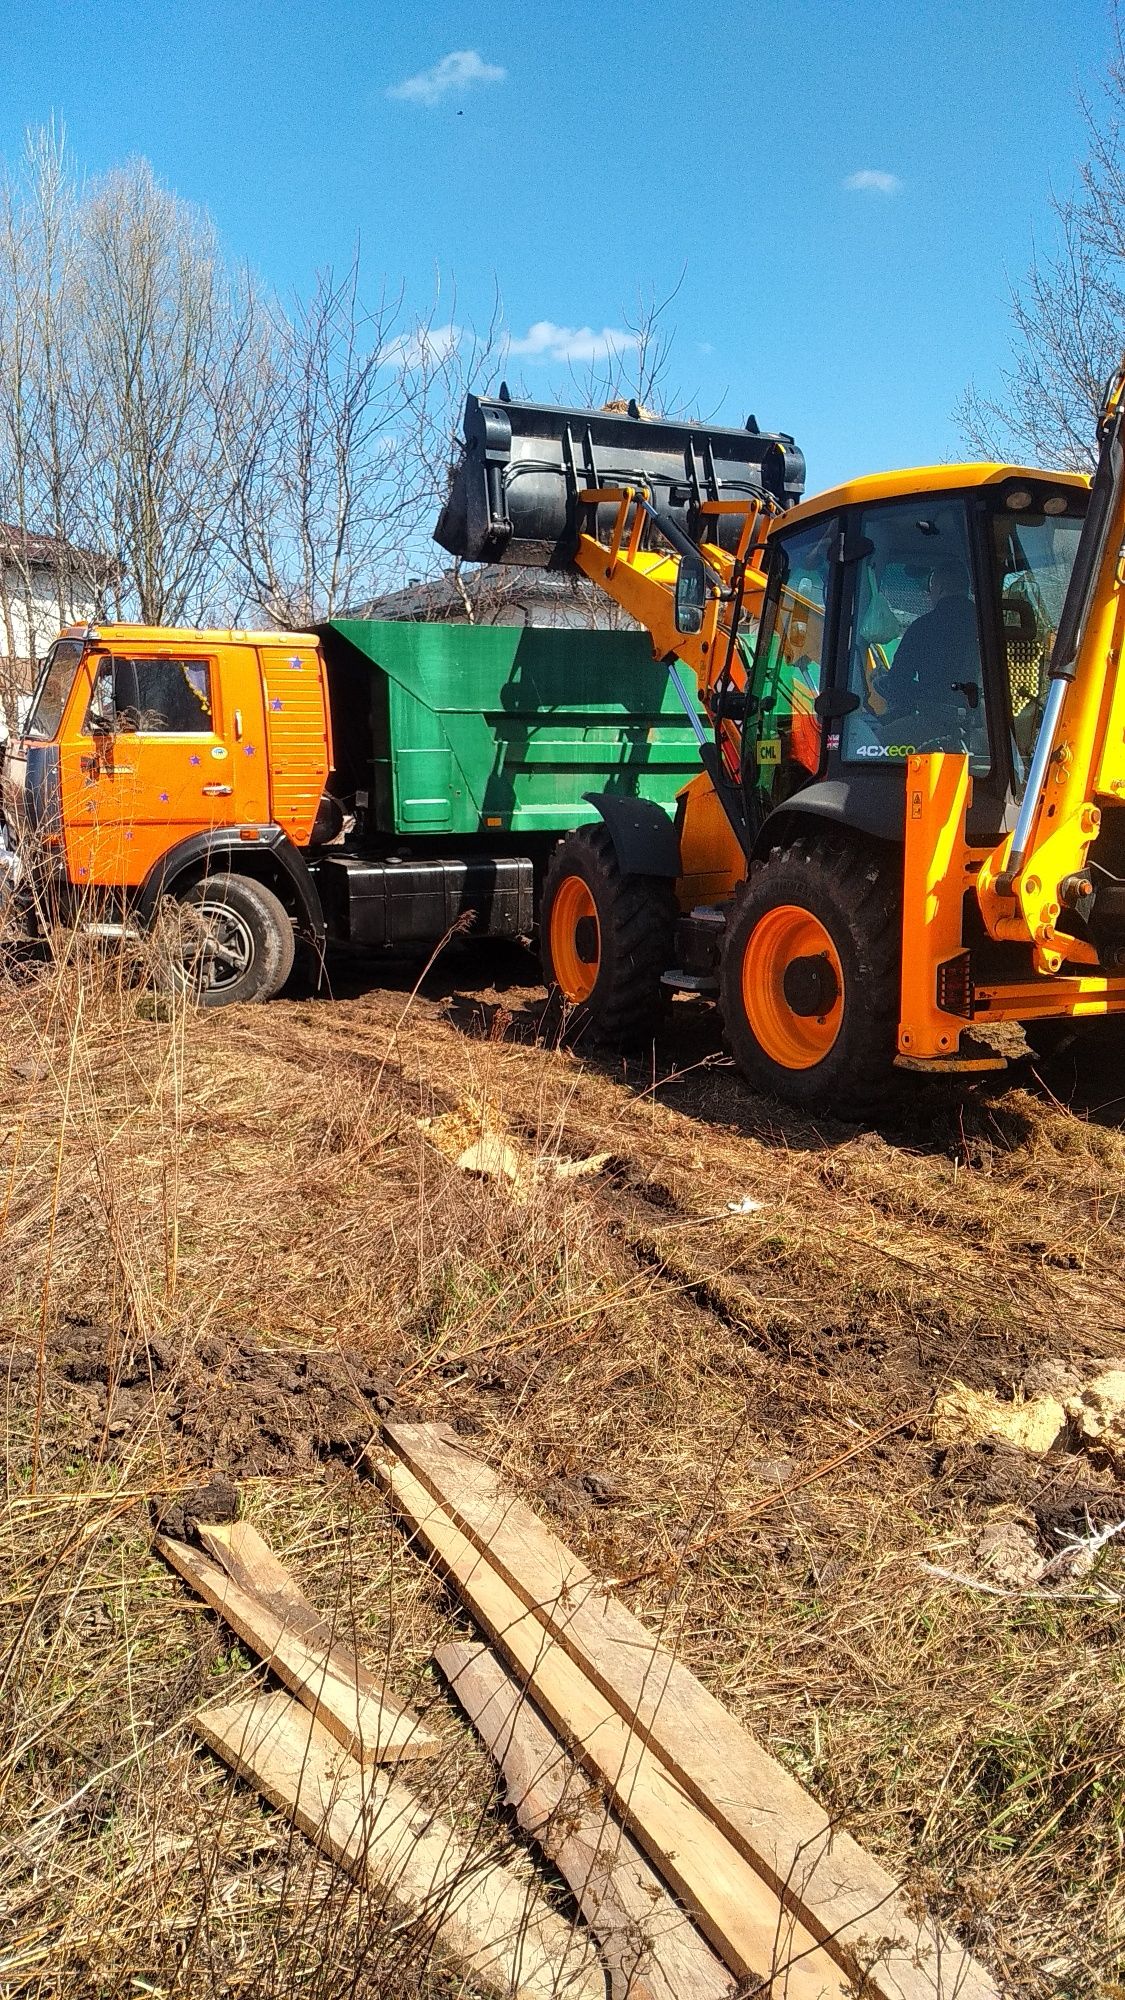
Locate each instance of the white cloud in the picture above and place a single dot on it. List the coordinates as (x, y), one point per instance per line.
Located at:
(424, 344)
(456, 72)
(872, 180)
(544, 341)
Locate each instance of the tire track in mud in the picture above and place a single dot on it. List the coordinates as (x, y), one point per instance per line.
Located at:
(949, 1264)
(933, 1318)
(952, 1257)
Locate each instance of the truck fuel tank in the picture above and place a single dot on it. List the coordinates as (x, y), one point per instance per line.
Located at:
(513, 497)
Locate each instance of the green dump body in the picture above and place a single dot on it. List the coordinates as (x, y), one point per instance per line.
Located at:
(493, 729)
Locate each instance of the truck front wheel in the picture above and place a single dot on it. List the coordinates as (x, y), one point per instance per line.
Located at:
(606, 938)
(232, 940)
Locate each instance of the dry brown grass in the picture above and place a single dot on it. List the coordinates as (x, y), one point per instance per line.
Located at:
(228, 1243)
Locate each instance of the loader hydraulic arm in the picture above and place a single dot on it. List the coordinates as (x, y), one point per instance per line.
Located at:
(643, 581)
(1038, 879)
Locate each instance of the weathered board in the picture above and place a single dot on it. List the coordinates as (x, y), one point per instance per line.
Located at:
(839, 1892)
(372, 1826)
(737, 1911)
(284, 1630)
(652, 1950)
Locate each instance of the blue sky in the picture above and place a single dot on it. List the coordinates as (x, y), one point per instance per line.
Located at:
(579, 156)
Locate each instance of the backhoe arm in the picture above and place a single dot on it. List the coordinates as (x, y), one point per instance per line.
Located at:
(1041, 875)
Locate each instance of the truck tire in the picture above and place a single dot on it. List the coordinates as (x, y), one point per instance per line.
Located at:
(234, 942)
(605, 938)
(810, 977)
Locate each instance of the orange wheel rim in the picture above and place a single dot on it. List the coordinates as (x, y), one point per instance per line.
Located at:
(575, 940)
(792, 987)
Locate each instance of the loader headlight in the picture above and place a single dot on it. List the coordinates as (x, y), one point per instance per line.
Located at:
(1057, 504)
(1019, 499)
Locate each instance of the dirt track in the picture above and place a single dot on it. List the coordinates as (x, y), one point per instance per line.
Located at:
(660, 1373)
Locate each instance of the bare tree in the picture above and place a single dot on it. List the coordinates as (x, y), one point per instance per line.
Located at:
(179, 445)
(117, 316)
(40, 440)
(338, 445)
(1068, 314)
(635, 365)
(165, 316)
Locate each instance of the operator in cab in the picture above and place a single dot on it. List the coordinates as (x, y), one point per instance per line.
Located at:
(937, 660)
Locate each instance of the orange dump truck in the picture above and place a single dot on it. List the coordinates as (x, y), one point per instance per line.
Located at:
(371, 783)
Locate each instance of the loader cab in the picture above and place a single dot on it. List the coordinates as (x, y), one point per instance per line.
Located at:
(908, 612)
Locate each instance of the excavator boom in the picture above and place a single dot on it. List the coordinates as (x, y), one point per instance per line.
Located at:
(1060, 878)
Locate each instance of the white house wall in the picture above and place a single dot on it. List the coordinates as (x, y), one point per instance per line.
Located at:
(30, 637)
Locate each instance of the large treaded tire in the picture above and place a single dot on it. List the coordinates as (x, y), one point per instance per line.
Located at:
(249, 921)
(852, 891)
(1049, 1040)
(636, 918)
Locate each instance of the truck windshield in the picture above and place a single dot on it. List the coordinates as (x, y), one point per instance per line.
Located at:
(55, 683)
(1033, 550)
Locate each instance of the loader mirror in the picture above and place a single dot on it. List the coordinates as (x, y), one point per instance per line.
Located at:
(691, 594)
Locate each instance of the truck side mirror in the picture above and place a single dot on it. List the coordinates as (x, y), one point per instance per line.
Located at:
(691, 594)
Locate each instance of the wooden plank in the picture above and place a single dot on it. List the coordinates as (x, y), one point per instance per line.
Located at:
(843, 1896)
(301, 1652)
(733, 1906)
(251, 1563)
(652, 1950)
(248, 1558)
(372, 1826)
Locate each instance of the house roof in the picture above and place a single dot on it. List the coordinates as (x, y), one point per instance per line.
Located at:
(499, 594)
(50, 551)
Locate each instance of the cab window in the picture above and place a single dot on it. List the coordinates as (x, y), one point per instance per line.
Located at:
(1034, 549)
(914, 654)
(151, 697)
(789, 662)
(55, 683)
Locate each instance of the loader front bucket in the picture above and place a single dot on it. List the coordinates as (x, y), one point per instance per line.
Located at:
(513, 497)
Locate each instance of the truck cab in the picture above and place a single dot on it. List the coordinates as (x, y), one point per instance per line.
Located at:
(185, 764)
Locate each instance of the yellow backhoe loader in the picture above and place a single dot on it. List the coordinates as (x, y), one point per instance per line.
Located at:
(910, 816)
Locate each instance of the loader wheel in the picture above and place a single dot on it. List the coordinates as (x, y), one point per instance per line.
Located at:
(810, 977)
(605, 938)
(1048, 1040)
(1068, 1054)
(234, 942)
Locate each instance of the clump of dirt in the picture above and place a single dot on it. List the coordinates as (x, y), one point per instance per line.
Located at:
(1030, 1425)
(223, 1400)
(1008, 1554)
(1061, 1492)
(576, 1496)
(1098, 1412)
(217, 1502)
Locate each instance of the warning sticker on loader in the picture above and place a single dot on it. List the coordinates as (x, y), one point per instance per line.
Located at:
(769, 750)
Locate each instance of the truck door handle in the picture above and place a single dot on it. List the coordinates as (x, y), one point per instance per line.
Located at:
(217, 791)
